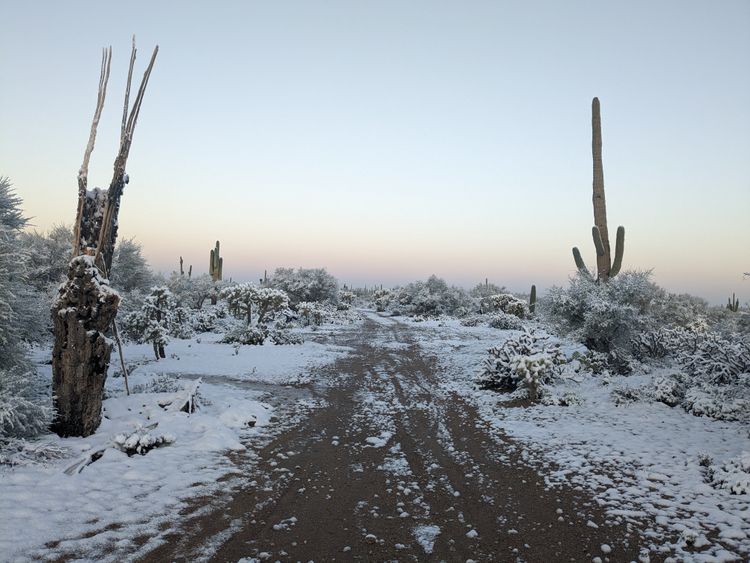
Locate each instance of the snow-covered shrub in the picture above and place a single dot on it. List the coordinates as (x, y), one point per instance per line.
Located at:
(626, 395)
(719, 402)
(311, 313)
(154, 321)
(161, 383)
(733, 475)
(130, 271)
(528, 359)
(23, 408)
(504, 321)
(602, 316)
(245, 298)
(21, 452)
(670, 389)
(182, 323)
(283, 337)
(428, 299)
(482, 296)
(305, 284)
(382, 299)
(205, 321)
(141, 441)
(249, 335)
(191, 291)
(510, 305)
(48, 256)
(346, 298)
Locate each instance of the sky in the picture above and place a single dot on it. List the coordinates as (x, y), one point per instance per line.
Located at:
(387, 141)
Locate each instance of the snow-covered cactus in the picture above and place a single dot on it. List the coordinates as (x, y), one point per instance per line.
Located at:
(605, 267)
(510, 305)
(216, 264)
(528, 360)
(733, 304)
(532, 300)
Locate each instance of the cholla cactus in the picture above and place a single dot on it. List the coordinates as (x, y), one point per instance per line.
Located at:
(528, 360)
(509, 304)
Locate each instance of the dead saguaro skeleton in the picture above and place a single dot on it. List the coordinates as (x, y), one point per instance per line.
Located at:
(86, 306)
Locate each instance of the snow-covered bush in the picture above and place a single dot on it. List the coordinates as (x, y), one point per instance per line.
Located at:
(670, 390)
(721, 403)
(154, 321)
(428, 299)
(528, 359)
(733, 475)
(504, 321)
(191, 292)
(305, 284)
(245, 298)
(24, 409)
(205, 321)
(21, 452)
(602, 316)
(482, 296)
(283, 337)
(160, 383)
(510, 305)
(48, 255)
(382, 299)
(311, 313)
(130, 271)
(246, 334)
(346, 298)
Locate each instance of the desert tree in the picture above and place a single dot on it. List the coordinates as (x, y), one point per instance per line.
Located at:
(86, 305)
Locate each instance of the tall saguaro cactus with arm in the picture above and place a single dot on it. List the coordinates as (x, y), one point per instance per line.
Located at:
(216, 264)
(605, 267)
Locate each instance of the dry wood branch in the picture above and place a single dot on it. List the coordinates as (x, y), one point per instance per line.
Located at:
(84, 170)
(127, 92)
(108, 232)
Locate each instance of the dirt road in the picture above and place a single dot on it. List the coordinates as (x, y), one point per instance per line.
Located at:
(393, 468)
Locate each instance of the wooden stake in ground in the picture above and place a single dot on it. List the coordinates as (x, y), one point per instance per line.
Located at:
(86, 306)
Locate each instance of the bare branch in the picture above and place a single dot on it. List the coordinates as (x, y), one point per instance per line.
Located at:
(84, 170)
(127, 92)
(108, 232)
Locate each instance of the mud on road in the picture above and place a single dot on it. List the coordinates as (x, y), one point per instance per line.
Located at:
(394, 467)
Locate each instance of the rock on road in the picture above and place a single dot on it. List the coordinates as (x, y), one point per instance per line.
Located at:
(393, 467)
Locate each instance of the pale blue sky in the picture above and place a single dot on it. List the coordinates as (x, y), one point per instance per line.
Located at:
(391, 140)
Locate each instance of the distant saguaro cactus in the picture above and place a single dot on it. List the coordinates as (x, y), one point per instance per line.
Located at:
(216, 264)
(733, 304)
(599, 232)
(532, 300)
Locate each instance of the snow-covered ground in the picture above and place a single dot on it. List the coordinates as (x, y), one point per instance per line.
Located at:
(119, 503)
(645, 462)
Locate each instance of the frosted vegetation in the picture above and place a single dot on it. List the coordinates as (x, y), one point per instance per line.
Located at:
(674, 350)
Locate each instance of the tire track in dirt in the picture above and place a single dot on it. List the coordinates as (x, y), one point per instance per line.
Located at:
(394, 468)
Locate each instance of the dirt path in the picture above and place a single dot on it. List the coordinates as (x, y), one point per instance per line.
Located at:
(394, 468)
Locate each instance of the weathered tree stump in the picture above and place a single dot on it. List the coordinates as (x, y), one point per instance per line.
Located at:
(83, 311)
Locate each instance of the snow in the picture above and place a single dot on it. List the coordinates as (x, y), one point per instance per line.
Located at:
(101, 507)
(642, 461)
(204, 355)
(426, 536)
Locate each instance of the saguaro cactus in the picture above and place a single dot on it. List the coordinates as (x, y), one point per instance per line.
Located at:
(216, 264)
(733, 304)
(604, 265)
(532, 300)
